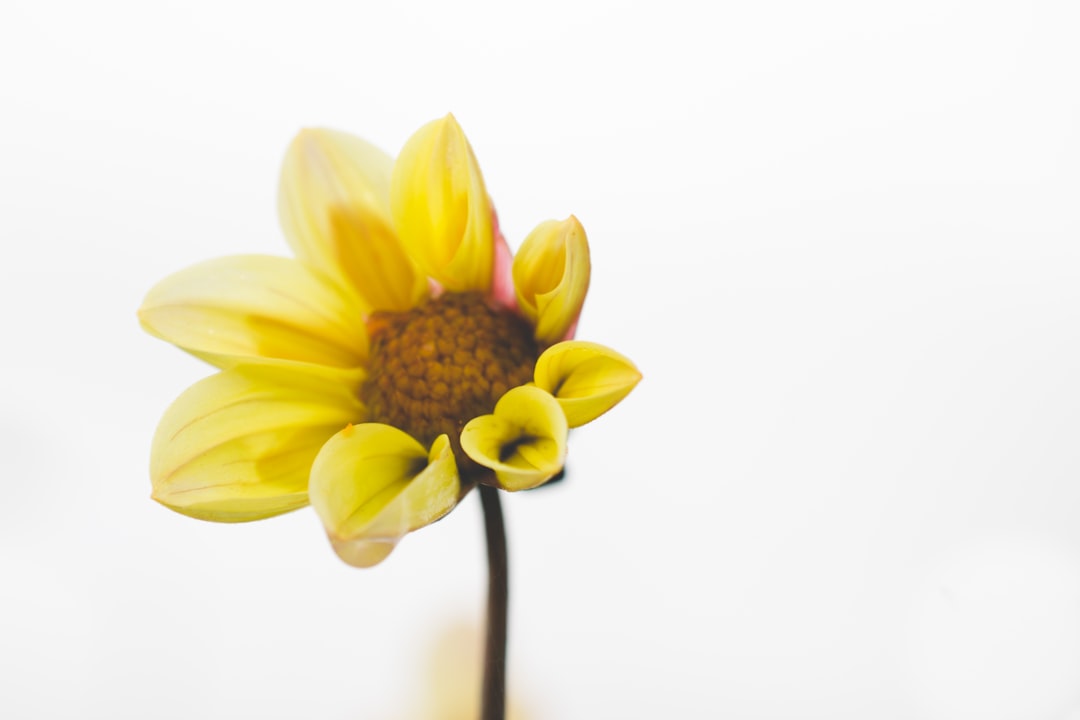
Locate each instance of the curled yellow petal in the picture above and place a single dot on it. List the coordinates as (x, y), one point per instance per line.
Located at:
(587, 379)
(250, 307)
(334, 206)
(523, 441)
(372, 483)
(441, 209)
(239, 445)
(551, 277)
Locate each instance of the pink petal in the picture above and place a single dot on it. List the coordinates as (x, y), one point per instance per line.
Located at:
(502, 282)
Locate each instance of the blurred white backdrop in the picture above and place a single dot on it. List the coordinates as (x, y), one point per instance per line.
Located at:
(840, 239)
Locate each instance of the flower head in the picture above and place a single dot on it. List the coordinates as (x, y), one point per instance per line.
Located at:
(398, 361)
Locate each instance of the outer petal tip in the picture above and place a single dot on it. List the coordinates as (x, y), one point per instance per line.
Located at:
(255, 308)
(334, 206)
(551, 277)
(587, 379)
(441, 209)
(238, 445)
(523, 441)
(371, 484)
(362, 553)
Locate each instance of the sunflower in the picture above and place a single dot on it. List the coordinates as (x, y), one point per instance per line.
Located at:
(402, 358)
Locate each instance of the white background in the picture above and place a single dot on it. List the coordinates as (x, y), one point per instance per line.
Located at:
(841, 240)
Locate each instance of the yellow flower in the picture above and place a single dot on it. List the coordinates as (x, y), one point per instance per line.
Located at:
(398, 361)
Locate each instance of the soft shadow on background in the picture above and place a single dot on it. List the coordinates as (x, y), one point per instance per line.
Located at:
(840, 240)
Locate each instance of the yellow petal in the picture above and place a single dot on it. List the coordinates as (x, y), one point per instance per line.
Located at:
(587, 379)
(334, 204)
(251, 307)
(441, 209)
(523, 441)
(372, 483)
(239, 445)
(551, 277)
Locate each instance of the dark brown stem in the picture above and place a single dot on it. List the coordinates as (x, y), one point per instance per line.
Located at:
(493, 696)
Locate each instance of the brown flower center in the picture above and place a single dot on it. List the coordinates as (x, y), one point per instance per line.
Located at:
(435, 367)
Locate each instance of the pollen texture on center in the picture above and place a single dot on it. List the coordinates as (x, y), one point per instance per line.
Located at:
(436, 367)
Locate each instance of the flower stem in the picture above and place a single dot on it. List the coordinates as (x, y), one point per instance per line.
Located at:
(493, 696)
